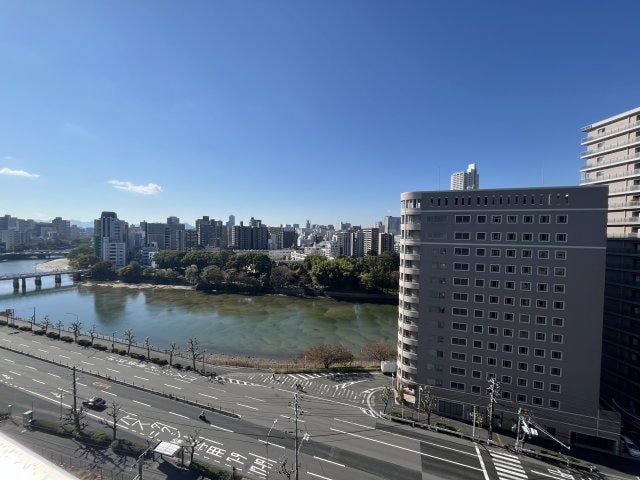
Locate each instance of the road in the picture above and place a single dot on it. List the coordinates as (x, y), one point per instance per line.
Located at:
(343, 436)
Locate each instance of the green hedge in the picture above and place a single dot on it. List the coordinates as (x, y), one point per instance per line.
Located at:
(127, 447)
(159, 361)
(55, 335)
(55, 428)
(100, 347)
(67, 339)
(94, 439)
(24, 328)
(83, 342)
(446, 426)
(3, 323)
(208, 471)
(137, 356)
(38, 332)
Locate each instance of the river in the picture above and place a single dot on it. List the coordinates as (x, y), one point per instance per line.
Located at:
(266, 326)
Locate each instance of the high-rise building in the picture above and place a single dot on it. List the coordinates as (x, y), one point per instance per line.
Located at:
(254, 236)
(163, 236)
(612, 158)
(469, 180)
(110, 239)
(370, 240)
(506, 284)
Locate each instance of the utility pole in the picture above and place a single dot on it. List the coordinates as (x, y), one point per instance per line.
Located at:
(296, 411)
(76, 418)
(494, 391)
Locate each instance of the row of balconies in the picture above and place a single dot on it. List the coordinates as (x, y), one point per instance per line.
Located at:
(610, 148)
(612, 161)
(607, 178)
(607, 133)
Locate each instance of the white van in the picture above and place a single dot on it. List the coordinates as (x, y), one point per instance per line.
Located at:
(630, 447)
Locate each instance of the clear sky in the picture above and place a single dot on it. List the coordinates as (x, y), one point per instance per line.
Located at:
(294, 110)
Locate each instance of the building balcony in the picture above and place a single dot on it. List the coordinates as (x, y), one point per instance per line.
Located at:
(409, 355)
(623, 190)
(412, 341)
(630, 205)
(608, 133)
(410, 327)
(410, 299)
(610, 148)
(623, 235)
(410, 284)
(608, 178)
(624, 220)
(410, 256)
(411, 270)
(413, 313)
(408, 368)
(411, 226)
(610, 162)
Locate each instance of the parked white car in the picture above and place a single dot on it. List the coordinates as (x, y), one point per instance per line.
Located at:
(630, 447)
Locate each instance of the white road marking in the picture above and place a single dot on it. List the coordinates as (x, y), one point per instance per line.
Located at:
(64, 356)
(272, 444)
(172, 386)
(407, 449)
(32, 368)
(84, 385)
(246, 406)
(35, 341)
(256, 399)
(220, 428)
(329, 461)
(145, 404)
(76, 353)
(15, 373)
(41, 350)
(23, 345)
(6, 359)
(218, 389)
(353, 423)
(212, 441)
(117, 371)
(109, 393)
(88, 363)
(53, 374)
(38, 381)
(178, 415)
(318, 476)
(484, 470)
(141, 378)
(208, 396)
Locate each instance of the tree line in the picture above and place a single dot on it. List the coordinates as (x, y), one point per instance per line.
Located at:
(228, 270)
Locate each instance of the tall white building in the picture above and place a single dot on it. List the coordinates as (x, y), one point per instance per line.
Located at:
(506, 285)
(110, 239)
(469, 180)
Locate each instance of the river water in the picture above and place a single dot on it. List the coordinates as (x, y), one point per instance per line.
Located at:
(267, 326)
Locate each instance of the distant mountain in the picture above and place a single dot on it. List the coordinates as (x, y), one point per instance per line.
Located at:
(80, 224)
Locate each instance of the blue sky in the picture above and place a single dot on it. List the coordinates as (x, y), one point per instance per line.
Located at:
(294, 110)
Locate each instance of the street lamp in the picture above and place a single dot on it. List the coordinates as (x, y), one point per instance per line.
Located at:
(113, 340)
(267, 445)
(204, 354)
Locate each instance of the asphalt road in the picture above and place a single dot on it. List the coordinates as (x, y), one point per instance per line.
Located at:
(343, 437)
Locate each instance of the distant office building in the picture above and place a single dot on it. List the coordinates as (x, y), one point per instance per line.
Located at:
(110, 239)
(469, 180)
(282, 237)
(507, 284)
(163, 236)
(370, 240)
(254, 236)
(391, 225)
(385, 243)
(187, 240)
(61, 228)
(612, 158)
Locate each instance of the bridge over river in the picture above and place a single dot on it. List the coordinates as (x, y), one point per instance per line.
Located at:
(20, 279)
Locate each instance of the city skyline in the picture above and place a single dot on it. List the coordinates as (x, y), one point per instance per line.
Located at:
(280, 111)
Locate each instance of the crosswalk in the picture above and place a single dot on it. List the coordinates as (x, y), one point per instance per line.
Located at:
(507, 465)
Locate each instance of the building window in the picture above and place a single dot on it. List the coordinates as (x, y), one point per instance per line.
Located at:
(477, 344)
(507, 348)
(507, 316)
(512, 219)
(541, 320)
(496, 236)
(543, 270)
(561, 254)
(559, 271)
(493, 268)
(541, 303)
(459, 341)
(478, 329)
(538, 369)
(527, 237)
(511, 253)
(492, 315)
(457, 386)
(463, 219)
(462, 327)
(561, 237)
(510, 269)
(558, 288)
(458, 371)
(524, 318)
(478, 298)
(481, 236)
(494, 284)
(539, 352)
(462, 236)
(493, 330)
(526, 253)
(461, 266)
(556, 355)
(525, 302)
(543, 237)
(543, 254)
(525, 269)
(521, 398)
(481, 219)
(494, 299)
(523, 334)
(541, 336)
(480, 252)
(544, 219)
(522, 382)
(476, 359)
(492, 346)
(554, 387)
(479, 283)
(478, 314)
(536, 400)
(523, 350)
(558, 305)
(507, 332)
(492, 361)
(555, 404)
(496, 218)
(460, 312)
(506, 395)
(512, 237)
(506, 379)
(527, 219)
(556, 371)
(558, 322)
(495, 252)
(562, 219)
(460, 297)
(479, 267)
(461, 251)
(523, 366)
(556, 337)
(509, 285)
(459, 281)
(538, 385)
(525, 286)
(542, 287)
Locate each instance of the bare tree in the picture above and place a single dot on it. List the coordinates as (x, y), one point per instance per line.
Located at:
(76, 329)
(284, 468)
(45, 324)
(387, 395)
(194, 441)
(59, 325)
(428, 402)
(379, 350)
(78, 420)
(114, 414)
(146, 344)
(92, 333)
(130, 336)
(173, 346)
(327, 355)
(194, 350)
